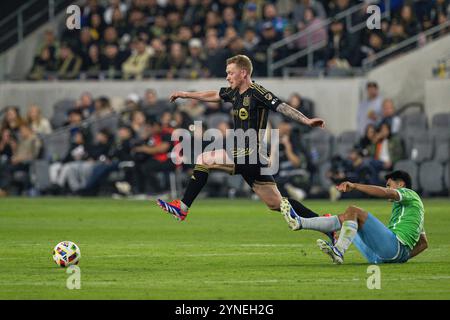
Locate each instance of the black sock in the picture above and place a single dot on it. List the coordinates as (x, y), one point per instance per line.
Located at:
(195, 185)
(301, 210)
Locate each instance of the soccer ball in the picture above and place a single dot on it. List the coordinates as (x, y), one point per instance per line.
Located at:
(66, 253)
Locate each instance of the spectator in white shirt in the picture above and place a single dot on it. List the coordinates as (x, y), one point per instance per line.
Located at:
(370, 109)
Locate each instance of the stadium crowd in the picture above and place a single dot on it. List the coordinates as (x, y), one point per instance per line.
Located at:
(138, 39)
(136, 148)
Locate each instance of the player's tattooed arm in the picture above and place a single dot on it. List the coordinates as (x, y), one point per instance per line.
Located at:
(208, 96)
(296, 115)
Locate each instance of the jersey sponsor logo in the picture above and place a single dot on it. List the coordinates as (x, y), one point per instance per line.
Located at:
(268, 96)
(243, 114)
(246, 101)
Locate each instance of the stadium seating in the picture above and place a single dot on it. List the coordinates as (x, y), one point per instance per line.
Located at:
(447, 175)
(421, 148)
(431, 177)
(56, 145)
(319, 143)
(345, 143)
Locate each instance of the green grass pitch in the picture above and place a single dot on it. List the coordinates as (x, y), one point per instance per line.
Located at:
(224, 250)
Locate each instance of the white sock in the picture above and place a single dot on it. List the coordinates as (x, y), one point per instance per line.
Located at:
(184, 207)
(322, 224)
(348, 233)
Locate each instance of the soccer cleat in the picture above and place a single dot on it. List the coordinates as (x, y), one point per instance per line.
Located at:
(331, 235)
(333, 252)
(290, 215)
(173, 208)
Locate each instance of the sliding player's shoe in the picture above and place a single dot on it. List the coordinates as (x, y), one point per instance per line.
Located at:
(333, 252)
(290, 215)
(174, 208)
(331, 235)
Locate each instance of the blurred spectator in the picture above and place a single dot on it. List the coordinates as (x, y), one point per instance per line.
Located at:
(338, 51)
(229, 20)
(389, 117)
(92, 65)
(8, 147)
(138, 123)
(111, 62)
(196, 61)
(215, 59)
(409, 21)
(311, 22)
(96, 26)
(369, 139)
(69, 64)
(119, 156)
(112, 6)
(251, 39)
(28, 149)
(250, 18)
(396, 33)
(153, 107)
(338, 6)
(158, 59)
(50, 43)
(270, 14)
(375, 45)
(42, 66)
(84, 43)
(135, 65)
(387, 150)
(301, 6)
(12, 121)
(36, 121)
(102, 107)
(269, 35)
(78, 172)
(154, 156)
(355, 169)
(193, 108)
(176, 60)
(369, 110)
(58, 170)
(85, 104)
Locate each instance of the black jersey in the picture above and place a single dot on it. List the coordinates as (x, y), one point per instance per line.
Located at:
(251, 108)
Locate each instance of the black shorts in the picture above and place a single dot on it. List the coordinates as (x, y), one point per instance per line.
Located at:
(252, 173)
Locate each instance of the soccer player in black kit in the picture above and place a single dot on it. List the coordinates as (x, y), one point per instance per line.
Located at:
(251, 105)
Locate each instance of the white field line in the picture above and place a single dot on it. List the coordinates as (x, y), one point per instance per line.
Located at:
(224, 282)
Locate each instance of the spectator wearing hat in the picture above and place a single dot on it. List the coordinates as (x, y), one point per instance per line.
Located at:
(370, 109)
(134, 66)
(250, 18)
(196, 61)
(268, 36)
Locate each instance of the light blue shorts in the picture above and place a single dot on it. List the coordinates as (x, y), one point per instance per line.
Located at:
(378, 244)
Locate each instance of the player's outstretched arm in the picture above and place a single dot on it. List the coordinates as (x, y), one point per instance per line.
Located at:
(208, 96)
(296, 115)
(374, 191)
(420, 246)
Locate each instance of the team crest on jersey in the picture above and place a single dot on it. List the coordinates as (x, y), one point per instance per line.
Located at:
(246, 101)
(243, 114)
(268, 96)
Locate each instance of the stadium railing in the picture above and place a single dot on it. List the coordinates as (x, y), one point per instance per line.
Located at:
(311, 48)
(369, 62)
(18, 24)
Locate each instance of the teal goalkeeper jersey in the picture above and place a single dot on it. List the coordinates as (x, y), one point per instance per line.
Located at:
(407, 217)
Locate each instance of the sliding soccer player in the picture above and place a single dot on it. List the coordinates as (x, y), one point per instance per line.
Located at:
(403, 238)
